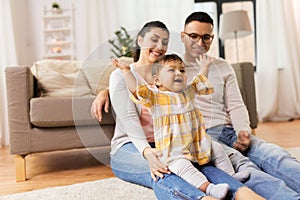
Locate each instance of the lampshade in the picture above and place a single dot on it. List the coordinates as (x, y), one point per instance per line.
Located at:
(234, 24)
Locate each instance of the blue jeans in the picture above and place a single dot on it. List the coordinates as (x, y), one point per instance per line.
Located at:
(274, 173)
(128, 164)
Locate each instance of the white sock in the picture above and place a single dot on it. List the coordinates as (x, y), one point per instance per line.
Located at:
(218, 191)
(241, 176)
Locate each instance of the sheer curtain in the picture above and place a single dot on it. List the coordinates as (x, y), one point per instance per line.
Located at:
(96, 22)
(105, 17)
(7, 57)
(278, 59)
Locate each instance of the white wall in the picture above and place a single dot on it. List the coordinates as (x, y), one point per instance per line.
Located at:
(28, 22)
(109, 16)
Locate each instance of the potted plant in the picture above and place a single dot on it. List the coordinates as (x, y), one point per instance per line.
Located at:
(122, 45)
(56, 8)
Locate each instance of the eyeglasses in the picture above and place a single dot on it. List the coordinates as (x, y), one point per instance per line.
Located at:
(206, 38)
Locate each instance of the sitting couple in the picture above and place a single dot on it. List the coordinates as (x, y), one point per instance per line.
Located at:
(274, 174)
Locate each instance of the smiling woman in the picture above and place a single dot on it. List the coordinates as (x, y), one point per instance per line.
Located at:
(7, 57)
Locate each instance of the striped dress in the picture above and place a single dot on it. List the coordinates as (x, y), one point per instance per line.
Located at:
(179, 130)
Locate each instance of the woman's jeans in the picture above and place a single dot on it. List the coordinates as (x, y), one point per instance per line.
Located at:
(128, 164)
(282, 177)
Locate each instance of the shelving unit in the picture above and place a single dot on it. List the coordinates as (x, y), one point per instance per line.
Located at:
(58, 34)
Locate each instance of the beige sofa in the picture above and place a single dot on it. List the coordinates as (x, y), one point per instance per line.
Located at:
(49, 108)
(245, 77)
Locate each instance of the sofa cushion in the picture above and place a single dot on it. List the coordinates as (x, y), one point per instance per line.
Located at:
(97, 72)
(64, 111)
(66, 78)
(57, 78)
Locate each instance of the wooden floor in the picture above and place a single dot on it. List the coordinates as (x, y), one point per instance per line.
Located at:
(65, 168)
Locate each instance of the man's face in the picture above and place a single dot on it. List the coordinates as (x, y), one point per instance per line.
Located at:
(194, 31)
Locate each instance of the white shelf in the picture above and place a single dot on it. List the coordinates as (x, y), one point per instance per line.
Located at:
(57, 55)
(57, 30)
(56, 16)
(58, 34)
(58, 43)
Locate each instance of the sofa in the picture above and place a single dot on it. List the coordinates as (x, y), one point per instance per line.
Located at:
(245, 76)
(49, 107)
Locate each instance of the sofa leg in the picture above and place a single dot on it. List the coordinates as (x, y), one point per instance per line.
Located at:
(20, 164)
(253, 132)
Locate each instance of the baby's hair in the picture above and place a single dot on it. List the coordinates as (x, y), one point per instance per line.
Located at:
(158, 64)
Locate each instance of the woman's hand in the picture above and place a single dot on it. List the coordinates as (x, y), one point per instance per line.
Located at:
(157, 168)
(101, 100)
(204, 62)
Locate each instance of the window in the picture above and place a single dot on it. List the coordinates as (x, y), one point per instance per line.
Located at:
(227, 49)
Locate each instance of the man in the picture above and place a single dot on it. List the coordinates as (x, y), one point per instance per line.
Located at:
(226, 119)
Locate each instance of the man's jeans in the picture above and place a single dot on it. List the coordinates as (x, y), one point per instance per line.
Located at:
(128, 164)
(282, 177)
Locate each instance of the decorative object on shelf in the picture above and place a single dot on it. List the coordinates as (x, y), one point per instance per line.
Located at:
(56, 50)
(122, 45)
(58, 32)
(56, 8)
(233, 25)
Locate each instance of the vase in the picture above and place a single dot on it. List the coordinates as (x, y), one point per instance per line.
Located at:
(56, 11)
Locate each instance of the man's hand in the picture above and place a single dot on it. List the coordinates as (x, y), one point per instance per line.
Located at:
(101, 100)
(243, 141)
(157, 168)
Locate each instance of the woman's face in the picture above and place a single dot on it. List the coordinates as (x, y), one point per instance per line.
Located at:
(153, 44)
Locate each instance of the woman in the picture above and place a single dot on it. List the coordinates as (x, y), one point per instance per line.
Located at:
(132, 157)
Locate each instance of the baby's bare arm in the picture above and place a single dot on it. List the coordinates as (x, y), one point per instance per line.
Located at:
(120, 65)
(130, 80)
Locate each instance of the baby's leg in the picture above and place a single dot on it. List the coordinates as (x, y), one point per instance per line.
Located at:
(185, 169)
(222, 161)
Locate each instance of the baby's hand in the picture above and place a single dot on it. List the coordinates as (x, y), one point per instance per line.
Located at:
(120, 65)
(204, 61)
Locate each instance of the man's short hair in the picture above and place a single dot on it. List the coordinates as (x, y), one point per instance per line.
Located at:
(200, 17)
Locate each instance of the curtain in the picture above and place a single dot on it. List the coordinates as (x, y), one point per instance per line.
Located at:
(96, 22)
(278, 60)
(105, 17)
(7, 57)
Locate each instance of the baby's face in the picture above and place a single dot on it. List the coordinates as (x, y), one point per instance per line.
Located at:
(172, 77)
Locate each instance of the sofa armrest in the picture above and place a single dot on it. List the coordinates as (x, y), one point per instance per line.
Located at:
(20, 89)
(245, 76)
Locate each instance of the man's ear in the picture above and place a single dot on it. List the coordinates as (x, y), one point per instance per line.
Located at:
(182, 36)
(156, 80)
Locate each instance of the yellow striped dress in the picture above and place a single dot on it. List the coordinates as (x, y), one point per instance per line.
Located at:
(179, 130)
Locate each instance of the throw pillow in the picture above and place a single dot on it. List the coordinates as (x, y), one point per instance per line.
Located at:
(58, 77)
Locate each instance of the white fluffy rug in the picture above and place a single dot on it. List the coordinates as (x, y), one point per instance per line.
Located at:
(106, 189)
